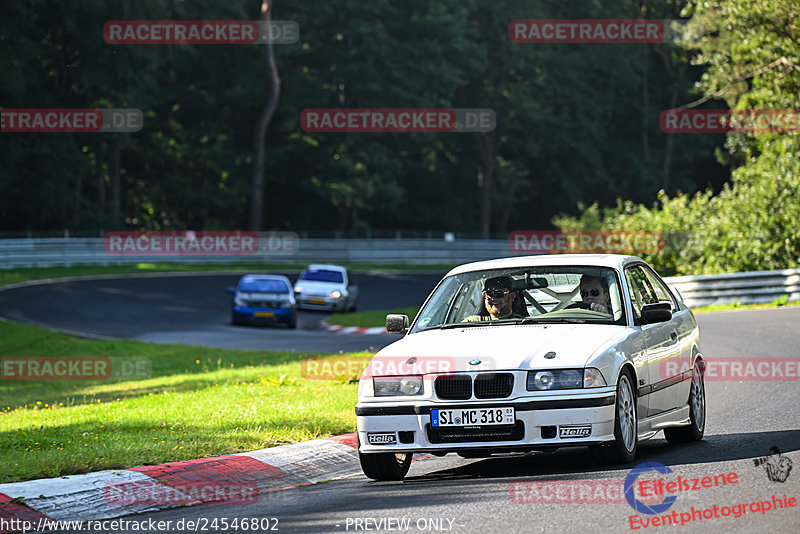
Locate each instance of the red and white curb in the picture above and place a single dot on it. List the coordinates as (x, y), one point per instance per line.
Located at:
(337, 329)
(234, 479)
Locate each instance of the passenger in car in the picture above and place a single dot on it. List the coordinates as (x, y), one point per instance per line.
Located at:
(594, 295)
(498, 300)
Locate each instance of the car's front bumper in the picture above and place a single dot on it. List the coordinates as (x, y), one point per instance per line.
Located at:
(539, 424)
(320, 303)
(246, 314)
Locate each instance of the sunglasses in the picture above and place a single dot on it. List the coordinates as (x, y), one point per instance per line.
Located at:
(496, 293)
(593, 292)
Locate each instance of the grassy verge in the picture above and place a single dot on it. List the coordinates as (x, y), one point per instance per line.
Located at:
(12, 276)
(370, 318)
(198, 402)
(777, 303)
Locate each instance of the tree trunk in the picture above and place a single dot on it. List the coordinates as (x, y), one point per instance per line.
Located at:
(257, 199)
(116, 186)
(486, 149)
(100, 178)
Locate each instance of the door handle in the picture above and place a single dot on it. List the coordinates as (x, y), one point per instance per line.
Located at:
(674, 336)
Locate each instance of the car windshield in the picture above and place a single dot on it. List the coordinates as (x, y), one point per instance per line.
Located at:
(562, 294)
(263, 285)
(323, 275)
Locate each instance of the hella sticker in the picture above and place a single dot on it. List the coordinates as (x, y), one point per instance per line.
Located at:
(381, 439)
(574, 431)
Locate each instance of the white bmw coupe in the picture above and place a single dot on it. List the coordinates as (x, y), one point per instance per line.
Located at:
(532, 354)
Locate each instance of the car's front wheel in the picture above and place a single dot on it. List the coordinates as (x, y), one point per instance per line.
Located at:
(385, 465)
(697, 411)
(626, 427)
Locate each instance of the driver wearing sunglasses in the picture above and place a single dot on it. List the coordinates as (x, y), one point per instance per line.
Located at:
(498, 300)
(593, 294)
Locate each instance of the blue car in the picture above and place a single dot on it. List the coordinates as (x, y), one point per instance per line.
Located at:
(263, 299)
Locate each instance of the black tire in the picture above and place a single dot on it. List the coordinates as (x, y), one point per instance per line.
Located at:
(697, 411)
(292, 323)
(385, 465)
(626, 426)
(234, 322)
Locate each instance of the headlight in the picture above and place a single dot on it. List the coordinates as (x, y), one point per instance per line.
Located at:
(238, 301)
(555, 379)
(387, 386)
(565, 379)
(336, 294)
(298, 290)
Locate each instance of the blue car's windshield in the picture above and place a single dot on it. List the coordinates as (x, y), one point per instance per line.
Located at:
(323, 275)
(260, 285)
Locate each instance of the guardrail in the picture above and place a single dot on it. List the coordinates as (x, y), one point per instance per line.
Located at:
(47, 252)
(703, 290)
(746, 288)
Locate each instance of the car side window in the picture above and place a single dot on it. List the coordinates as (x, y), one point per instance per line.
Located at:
(639, 294)
(658, 289)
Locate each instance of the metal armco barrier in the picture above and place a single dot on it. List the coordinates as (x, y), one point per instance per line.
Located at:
(745, 288)
(47, 252)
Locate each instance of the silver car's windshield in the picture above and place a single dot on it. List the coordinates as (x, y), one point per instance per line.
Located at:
(562, 294)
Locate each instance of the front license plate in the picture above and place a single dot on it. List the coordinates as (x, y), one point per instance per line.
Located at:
(316, 301)
(265, 314)
(473, 417)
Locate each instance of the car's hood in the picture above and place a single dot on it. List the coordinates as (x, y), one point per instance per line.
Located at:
(313, 287)
(261, 295)
(498, 347)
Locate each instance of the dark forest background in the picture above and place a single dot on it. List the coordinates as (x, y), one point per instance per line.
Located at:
(576, 123)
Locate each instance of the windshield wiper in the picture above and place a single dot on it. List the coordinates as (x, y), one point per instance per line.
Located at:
(564, 320)
(473, 323)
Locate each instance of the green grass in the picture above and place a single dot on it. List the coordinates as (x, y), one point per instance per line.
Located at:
(779, 302)
(370, 318)
(198, 402)
(12, 276)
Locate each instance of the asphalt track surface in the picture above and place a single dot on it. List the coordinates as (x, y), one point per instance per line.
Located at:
(449, 494)
(744, 420)
(195, 310)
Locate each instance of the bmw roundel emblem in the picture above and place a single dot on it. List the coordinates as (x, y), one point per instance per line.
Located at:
(475, 362)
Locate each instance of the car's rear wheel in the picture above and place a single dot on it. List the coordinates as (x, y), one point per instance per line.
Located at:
(697, 411)
(385, 465)
(626, 426)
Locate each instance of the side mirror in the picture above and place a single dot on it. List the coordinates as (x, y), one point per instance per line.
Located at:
(656, 313)
(397, 324)
(231, 290)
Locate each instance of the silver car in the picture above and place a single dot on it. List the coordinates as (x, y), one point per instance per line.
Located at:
(326, 287)
(534, 353)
